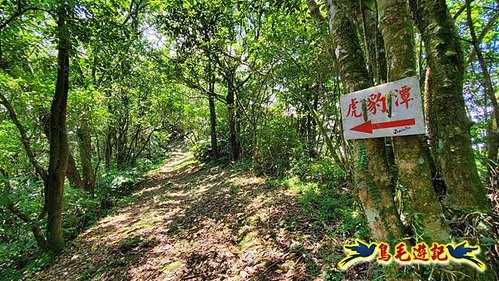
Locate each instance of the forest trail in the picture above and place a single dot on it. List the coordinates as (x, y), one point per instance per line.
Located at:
(193, 221)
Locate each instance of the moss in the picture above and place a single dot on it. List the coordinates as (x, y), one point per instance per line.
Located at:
(454, 153)
(373, 180)
(363, 167)
(420, 204)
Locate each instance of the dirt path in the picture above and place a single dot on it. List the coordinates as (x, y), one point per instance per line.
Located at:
(189, 221)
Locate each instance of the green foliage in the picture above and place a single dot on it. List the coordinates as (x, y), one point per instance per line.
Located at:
(202, 150)
(19, 253)
(141, 73)
(330, 206)
(322, 170)
(279, 147)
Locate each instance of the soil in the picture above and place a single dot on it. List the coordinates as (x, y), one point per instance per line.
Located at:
(194, 221)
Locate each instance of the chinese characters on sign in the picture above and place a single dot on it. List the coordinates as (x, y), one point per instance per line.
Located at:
(403, 254)
(392, 109)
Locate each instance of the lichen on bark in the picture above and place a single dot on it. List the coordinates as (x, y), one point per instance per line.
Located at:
(420, 201)
(374, 185)
(454, 154)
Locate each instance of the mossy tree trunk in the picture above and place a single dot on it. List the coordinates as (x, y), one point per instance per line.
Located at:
(465, 192)
(364, 13)
(59, 150)
(373, 179)
(421, 204)
(72, 172)
(85, 145)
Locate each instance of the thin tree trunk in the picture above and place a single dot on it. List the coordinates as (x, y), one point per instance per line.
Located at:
(108, 149)
(231, 112)
(59, 151)
(455, 158)
(240, 151)
(72, 173)
(40, 171)
(364, 12)
(213, 116)
(373, 184)
(85, 145)
(492, 132)
(35, 229)
(421, 203)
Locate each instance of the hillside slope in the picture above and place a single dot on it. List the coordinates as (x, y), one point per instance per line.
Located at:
(190, 221)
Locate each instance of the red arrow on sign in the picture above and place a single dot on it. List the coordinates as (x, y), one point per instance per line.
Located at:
(368, 127)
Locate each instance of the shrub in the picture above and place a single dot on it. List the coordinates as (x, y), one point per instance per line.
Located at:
(279, 146)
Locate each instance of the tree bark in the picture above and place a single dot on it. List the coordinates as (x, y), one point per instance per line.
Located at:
(213, 116)
(455, 158)
(72, 173)
(108, 148)
(373, 179)
(364, 12)
(492, 131)
(421, 204)
(231, 112)
(438, 182)
(85, 146)
(59, 151)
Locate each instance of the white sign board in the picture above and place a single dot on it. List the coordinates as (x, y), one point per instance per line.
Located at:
(391, 109)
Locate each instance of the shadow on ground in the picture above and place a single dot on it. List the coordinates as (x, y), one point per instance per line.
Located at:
(190, 221)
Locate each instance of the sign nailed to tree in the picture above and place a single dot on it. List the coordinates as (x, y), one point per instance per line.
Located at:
(391, 109)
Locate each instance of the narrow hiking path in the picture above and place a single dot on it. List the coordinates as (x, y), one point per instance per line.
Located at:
(190, 221)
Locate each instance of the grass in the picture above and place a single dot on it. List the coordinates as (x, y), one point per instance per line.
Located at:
(193, 219)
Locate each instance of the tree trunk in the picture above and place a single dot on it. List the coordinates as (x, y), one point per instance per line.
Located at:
(492, 131)
(213, 118)
(85, 145)
(35, 229)
(59, 151)
(240, 151)
(108, 149)
(72, 172)
(231, 113)
(430, 111)
(421, 203)
(438, 182)
(122, 136)
(311, 124)
(364, 12)
(465, 192)
(373, 179)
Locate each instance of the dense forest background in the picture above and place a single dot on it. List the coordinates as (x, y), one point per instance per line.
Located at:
(96, 93)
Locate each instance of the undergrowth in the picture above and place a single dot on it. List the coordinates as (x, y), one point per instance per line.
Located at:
(19, 253)
(320, 185)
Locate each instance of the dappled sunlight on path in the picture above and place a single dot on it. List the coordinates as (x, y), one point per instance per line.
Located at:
(192, 221)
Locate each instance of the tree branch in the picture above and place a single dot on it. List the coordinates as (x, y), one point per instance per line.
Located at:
(20, 11)
(482, 34)
(24, 138)
(11, 206)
